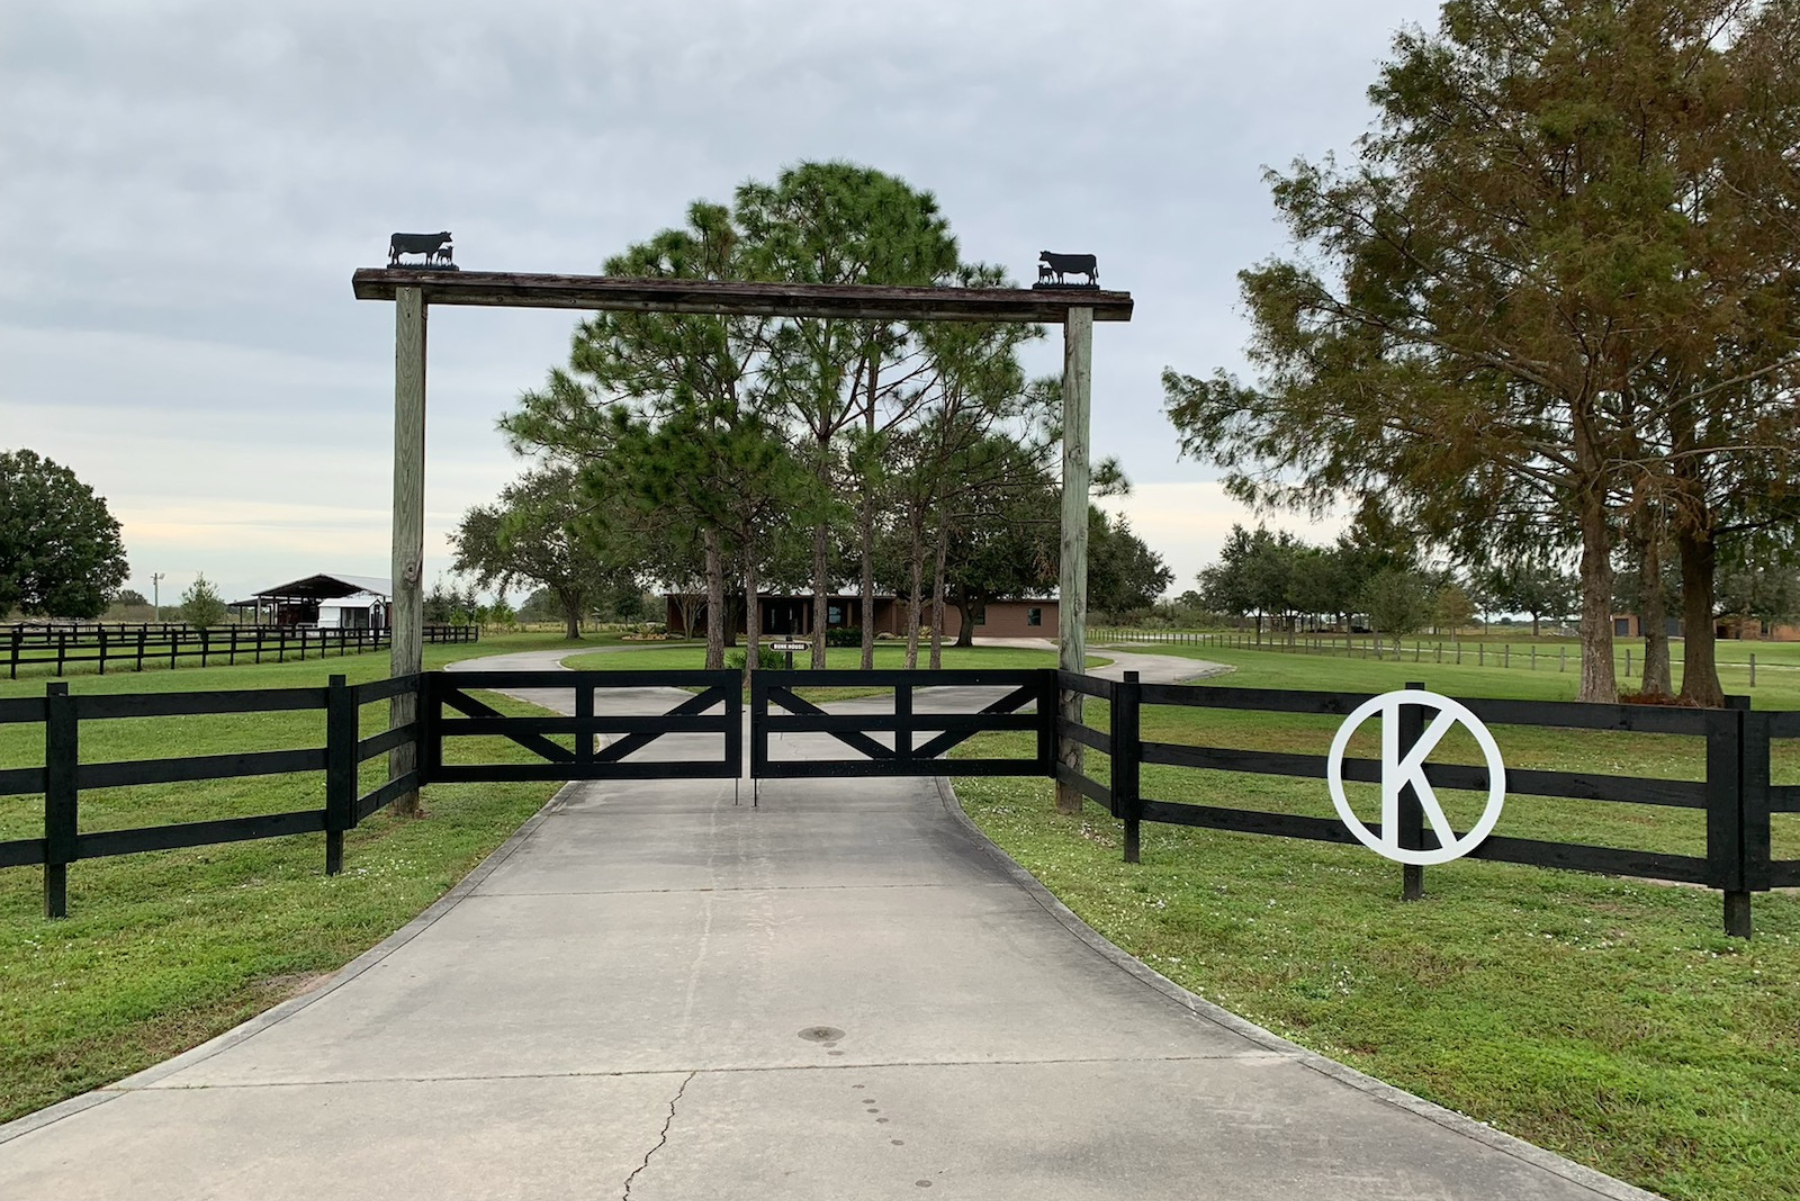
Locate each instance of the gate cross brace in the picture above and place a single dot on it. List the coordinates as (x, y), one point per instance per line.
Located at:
(855, 741)
(468, 706)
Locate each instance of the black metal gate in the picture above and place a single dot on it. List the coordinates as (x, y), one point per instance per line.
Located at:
(906, 740)
(715, 709)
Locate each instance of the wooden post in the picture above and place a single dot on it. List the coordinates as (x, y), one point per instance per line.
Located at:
(407, 609)
(1409, 817)
(1725, 813)
(1126, 785)
(1078, 353)
(341, 714)
(62, 762)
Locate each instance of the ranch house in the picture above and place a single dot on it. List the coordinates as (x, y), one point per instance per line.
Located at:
(792, 614)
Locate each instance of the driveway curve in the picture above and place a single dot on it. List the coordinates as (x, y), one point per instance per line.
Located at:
(654, 992)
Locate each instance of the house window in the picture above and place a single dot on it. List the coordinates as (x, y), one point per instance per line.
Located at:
(1621, 627)
(1034, 617)
(834, 615)
(981, 616)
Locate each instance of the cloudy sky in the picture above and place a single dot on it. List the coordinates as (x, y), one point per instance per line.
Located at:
(185, 189)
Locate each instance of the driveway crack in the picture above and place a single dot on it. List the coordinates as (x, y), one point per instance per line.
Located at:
(664, 1138)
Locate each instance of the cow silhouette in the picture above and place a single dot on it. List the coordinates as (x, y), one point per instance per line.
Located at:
(1072, 264)
(425, 244)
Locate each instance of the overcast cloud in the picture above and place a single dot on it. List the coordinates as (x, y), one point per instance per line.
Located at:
(186, 188)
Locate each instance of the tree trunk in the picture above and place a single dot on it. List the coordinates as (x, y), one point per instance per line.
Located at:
(1599, 682)
(715, 601)
(866, 522)
(752, 614)
(938, 587)
(916, 561)
(571, 603)
(1699, 663)
(821, 593)
(965, 605)
(1651, 615)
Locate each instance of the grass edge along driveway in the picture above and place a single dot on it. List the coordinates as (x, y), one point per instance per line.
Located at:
(165, 950)
(1608, 1020)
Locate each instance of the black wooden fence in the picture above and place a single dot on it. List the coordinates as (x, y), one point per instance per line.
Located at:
(1736, 794)
(63, 777)
(58, 646)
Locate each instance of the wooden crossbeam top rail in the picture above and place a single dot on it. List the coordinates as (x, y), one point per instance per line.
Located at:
(511, 289)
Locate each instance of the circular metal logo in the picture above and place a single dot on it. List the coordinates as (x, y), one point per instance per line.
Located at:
(1399, 770)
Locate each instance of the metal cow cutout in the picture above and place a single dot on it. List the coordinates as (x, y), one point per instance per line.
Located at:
(435, 247)
(1053, 265)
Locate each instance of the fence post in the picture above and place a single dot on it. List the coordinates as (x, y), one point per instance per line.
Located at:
(1752, 669)
(1049, 694)
(101, 630)
(429, 747)
(341, 730)
(1409, 816)
(1725, 841)
(18, 637)
(1758, 850)
(1627, 663)
(62, 759)
(1563, 664)
(1127, 752)
(584, 713)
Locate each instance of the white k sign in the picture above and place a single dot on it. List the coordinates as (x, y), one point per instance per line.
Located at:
(1400, 770)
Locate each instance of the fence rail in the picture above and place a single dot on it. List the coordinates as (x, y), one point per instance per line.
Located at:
(58, 646)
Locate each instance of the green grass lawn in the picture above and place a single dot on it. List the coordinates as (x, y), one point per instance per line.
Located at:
(1606, 1019)
(166, 949)
(1777, 663)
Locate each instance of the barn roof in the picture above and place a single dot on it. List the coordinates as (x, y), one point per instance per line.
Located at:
(329, 585)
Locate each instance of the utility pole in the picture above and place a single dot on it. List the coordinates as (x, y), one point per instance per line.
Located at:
(156, 579)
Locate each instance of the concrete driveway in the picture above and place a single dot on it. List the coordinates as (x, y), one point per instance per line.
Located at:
(654, 992)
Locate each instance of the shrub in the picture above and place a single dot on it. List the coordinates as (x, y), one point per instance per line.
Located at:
(844, 636)
(201, 605)
(766, 659)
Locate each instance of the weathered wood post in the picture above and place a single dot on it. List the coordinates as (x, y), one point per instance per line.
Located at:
(1078, 357)
(406, 613)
